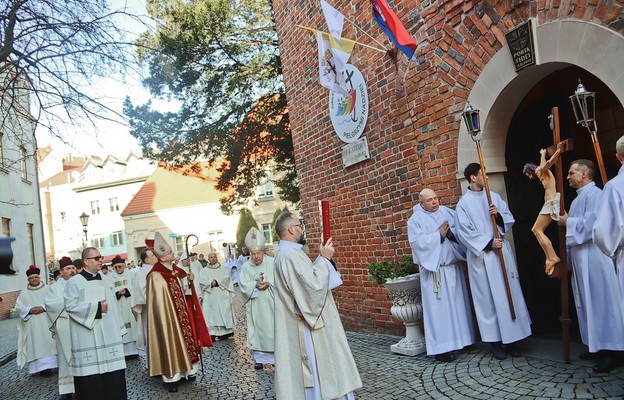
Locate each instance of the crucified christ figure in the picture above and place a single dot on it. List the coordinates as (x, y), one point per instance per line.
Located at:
(550, 210)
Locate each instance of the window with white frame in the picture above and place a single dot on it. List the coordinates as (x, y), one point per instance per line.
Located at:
(23, 163)
(2, 165)
(268, 233)
(265, 190)
(31, 242)
(6, 227)
(215, 239)
(179, 243)
(114, 204)
(95, 207)
(117, 238)
(97, 241)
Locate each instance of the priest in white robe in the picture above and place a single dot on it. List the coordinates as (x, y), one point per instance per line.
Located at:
(433, 238)
(98, 363)
(196, 268)
(35, 345)
(58, 322)
(139, 300)
(318, 363)
(475, 231)
(120, 281)
(594, 281)
(256, 284)
(608, 231)
(217, 293)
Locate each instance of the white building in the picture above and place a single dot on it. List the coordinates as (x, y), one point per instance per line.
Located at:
(100, 189)
(19, 198)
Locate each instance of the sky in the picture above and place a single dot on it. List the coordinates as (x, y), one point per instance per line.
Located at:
(107, 137)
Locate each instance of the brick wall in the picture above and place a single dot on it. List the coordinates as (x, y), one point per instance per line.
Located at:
(8, 302)
(412, 126)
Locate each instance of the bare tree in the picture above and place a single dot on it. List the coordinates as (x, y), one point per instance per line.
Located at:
(51, 52)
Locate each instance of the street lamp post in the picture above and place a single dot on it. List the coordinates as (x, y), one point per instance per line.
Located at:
(473, 123)
(84, 220)
(584, 107)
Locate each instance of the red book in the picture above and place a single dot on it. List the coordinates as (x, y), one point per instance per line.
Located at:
(324, 209)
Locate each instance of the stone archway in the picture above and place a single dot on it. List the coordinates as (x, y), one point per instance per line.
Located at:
(499, 89)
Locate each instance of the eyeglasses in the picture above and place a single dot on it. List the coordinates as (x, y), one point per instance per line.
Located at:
(96, 258)
(299, 225)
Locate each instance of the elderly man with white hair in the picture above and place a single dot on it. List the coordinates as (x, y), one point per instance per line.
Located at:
(217, 292)
(256, 283)
(432, 235)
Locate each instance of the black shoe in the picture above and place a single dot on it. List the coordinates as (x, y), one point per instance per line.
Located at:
(213, 337)
(590, 356)
(172, 387)
(497, 351)
(191, 378)
(66, 396)
(606, 365)
(226, 336)
(512, 350)
(258, 366)
(445, 357)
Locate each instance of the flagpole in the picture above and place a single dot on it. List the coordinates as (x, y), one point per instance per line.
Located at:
(363, 31)
(354, 41)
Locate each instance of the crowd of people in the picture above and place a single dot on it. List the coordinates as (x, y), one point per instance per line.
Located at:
(173, 305)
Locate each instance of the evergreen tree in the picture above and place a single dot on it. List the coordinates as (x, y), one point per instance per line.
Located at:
(219, 62)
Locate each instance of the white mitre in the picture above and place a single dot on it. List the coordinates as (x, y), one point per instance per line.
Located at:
(255, 240)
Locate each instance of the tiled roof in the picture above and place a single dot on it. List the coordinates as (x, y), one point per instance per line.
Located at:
(167, 189)
(62, 177)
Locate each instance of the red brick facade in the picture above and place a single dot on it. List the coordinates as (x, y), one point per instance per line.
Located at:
(413, 122)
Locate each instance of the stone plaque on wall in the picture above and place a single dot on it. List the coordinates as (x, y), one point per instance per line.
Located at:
(355, 152)
(520, 42)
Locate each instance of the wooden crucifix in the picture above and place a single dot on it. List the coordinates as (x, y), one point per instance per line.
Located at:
(561, 269)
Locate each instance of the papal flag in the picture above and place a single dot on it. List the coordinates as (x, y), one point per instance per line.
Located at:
(334, 19)
(333, 57)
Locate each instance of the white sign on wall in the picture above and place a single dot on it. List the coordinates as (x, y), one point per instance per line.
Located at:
(349, 114)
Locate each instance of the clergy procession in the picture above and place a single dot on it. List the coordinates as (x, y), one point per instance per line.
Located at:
(173, 309)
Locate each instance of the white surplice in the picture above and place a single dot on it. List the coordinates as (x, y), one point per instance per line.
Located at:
(35, 345)
(259, 307)
(475, 231)
(594, 281)
(58, 321)
(319, 364)
(608, 231)
(97, 345)
(138, 301)
(117, 282)
(217, 302)
(446, 308)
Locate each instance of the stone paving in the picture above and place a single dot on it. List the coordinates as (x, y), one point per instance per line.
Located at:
(229, 374)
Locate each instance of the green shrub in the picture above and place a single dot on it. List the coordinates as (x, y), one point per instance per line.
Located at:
(381, 271)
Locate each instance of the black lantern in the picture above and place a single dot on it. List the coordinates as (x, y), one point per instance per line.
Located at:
(84, 220)
(584, 106)
(471, 119)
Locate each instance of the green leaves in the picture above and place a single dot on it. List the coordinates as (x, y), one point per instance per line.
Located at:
(217, 64)
(381, 271)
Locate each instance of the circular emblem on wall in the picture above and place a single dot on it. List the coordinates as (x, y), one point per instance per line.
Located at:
(349, 113)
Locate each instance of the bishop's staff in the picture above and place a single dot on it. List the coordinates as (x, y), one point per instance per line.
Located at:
(192, 285)
(471, 118)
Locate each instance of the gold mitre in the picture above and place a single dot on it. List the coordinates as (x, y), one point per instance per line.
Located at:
(161, 247)
(254, 240)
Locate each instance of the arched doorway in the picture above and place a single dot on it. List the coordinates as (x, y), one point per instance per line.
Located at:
(514, 110)
(528, 132)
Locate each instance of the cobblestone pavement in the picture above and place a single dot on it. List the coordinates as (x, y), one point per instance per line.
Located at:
(229, 374)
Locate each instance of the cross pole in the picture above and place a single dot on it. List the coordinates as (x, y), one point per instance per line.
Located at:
(495, 226)
(561, 270)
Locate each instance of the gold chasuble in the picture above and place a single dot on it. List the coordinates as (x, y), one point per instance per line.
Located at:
(171, 324)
